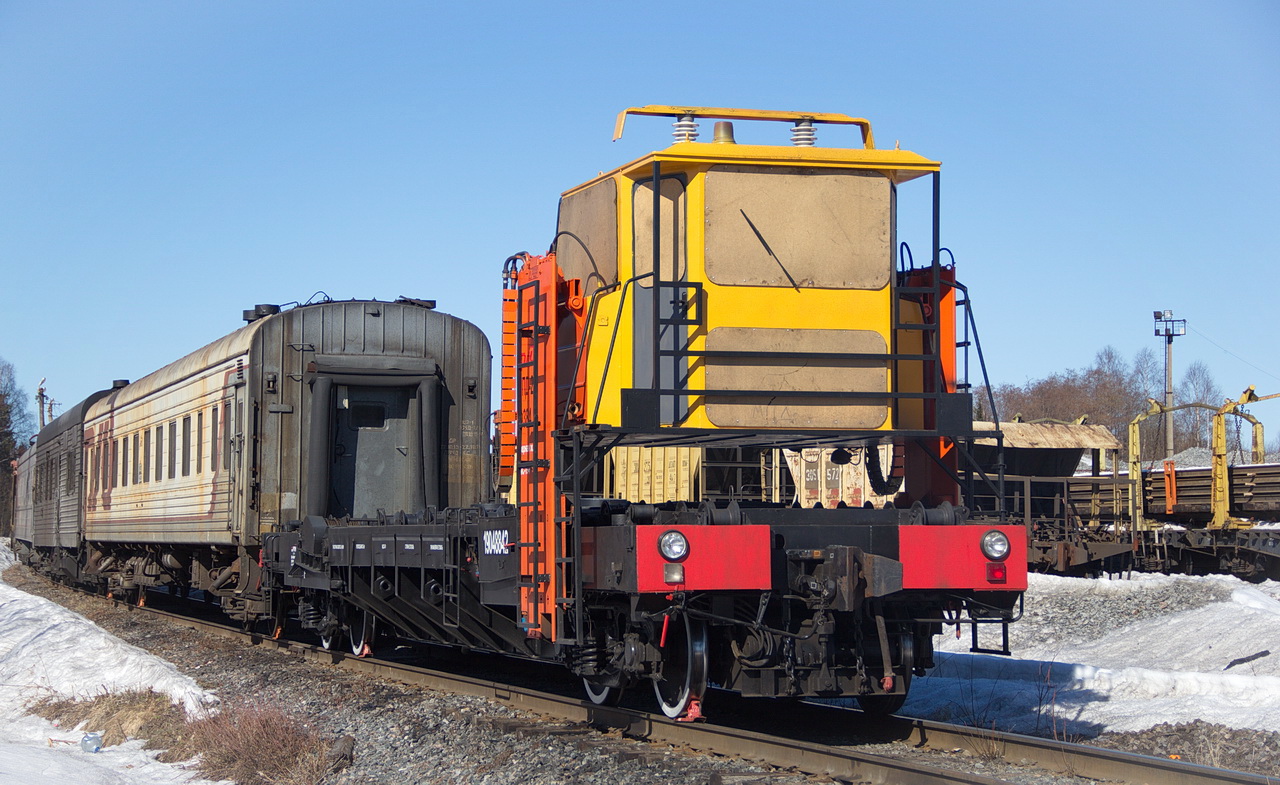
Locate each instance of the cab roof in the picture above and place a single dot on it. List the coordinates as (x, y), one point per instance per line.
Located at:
(898, 165)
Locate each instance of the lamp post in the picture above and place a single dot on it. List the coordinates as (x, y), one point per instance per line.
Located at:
(1168, 328)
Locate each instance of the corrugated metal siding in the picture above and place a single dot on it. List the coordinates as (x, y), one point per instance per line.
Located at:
(57, 485)
(376, 330)
(653, 474)
(23, 511)
(819, 481)
(56, 509)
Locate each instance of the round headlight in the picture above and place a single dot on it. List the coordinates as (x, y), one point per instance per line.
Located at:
(673, 546)
(995, 545)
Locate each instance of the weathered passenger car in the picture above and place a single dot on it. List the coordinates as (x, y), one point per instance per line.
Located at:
(57, 489)
(23, 512)
(337, 409)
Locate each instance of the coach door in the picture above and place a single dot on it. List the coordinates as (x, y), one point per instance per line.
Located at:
(233, 444)
(375, 461)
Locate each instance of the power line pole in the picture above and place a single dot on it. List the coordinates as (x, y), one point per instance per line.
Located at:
(1168, 328)
(40, 399)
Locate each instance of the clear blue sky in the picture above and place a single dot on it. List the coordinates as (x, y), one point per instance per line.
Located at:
(165, 165)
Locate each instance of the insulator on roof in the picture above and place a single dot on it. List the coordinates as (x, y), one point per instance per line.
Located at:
(803, 134)
(686, 129)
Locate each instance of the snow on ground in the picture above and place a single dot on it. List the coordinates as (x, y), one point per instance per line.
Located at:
(1219, 662)
(49, 651)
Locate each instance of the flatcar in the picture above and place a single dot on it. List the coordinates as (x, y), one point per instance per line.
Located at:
(332, 463)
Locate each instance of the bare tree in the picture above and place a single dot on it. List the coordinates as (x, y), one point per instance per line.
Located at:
(1148, 383)
(15, 429)
(1197, 386)
(1110, 392)
(1148, 375)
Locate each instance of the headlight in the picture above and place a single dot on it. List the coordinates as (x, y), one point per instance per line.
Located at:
(673, 546)
(995, 545)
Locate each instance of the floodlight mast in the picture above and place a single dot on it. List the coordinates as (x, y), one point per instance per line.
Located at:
(1168, 328)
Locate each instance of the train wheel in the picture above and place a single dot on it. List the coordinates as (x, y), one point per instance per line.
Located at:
(602, 695)
(360, 631)
(684, 668)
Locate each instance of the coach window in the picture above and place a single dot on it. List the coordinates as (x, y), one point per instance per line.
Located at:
(199, 441)
(186, 446)
(159, 452)
(213, 437)
(137, 460)
(173, 449)
(146, 455)
(226, 435)
(124, 462)
(108, 464)
(70, 487)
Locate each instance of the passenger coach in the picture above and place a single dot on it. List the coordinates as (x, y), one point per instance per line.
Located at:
(337, 409)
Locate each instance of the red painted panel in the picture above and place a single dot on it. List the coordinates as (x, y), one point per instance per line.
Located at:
(949, 557)
(720, 557)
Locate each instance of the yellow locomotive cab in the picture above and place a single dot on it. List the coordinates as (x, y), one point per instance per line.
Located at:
(775, 277)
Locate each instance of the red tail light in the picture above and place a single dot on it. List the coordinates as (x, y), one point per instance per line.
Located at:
(997, 572)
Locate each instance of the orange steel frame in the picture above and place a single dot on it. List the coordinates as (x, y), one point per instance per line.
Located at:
(543, 320)
(921, 470)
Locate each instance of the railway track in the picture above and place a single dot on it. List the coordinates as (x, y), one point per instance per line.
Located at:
(733, 734)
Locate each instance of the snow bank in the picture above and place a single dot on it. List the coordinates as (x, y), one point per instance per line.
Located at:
(1219, 663)
(49, 651)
